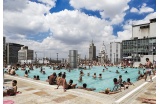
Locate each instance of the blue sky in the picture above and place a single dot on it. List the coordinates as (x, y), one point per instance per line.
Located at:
(62, 25)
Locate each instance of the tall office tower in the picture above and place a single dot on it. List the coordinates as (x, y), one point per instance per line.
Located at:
(92, 51)
(12, 52)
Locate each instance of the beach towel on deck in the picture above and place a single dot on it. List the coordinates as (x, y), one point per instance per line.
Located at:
(8, 102)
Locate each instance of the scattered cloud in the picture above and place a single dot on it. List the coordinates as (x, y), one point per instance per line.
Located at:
(65, 30)
(142, 9)
(111, 9)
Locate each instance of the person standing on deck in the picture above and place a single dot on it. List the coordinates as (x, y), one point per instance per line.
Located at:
(148, 69)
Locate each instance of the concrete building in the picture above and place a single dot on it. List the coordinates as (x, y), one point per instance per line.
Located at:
(4, 49)
(144, 30)
(25, 54)
(12, 52)
(136, 49)
(114, 53)
(102, 58)
(73, 54)
(92, 51)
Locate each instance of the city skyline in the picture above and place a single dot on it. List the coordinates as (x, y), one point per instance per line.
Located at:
(59, 26)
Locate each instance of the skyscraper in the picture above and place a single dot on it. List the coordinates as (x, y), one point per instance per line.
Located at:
(12, 52)
(4, 49)
(92, 51)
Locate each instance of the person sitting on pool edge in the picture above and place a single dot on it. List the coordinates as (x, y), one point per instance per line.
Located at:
(63, 82)
(85, 87)
(11, 91)
(37, 78)
(116, 84)
(108, 91)
(124, 85)
(129, 83)
(52, 79)
(34, 77)
(71, 85)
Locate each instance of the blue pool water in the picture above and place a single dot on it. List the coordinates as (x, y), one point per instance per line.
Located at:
(100, 84)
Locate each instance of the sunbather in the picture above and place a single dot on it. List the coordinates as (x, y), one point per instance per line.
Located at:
(10, 90)
(107, 91)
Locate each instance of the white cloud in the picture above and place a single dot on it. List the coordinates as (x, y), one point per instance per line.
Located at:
(111, 9)
(127, 27)
(134, 10)
(68, 29)
(142, 9)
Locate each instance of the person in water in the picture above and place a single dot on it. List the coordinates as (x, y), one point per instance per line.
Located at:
(94, 76)
(100, 76)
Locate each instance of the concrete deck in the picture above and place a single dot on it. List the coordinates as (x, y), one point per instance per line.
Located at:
(39, 92)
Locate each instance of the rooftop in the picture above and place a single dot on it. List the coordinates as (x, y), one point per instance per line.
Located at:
(39, 92)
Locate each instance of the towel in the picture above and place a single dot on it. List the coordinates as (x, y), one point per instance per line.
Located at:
(8, 102)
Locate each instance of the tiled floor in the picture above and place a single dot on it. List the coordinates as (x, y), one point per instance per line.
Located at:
(42, 93)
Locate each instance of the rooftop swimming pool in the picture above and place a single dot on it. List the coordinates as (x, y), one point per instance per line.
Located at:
(100, 84)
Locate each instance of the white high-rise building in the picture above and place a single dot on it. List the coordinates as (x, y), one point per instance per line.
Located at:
(25, 54)
(144, 30)
(114, 52)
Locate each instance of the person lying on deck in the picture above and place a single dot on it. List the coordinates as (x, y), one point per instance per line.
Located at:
(148, 101)
(108, 91)
(85, 87)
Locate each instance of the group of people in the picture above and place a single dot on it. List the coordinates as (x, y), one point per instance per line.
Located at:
(149, 69)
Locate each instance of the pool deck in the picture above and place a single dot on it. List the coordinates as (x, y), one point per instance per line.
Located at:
(40, 92)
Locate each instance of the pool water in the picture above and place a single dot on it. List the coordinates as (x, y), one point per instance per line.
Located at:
(100, 84)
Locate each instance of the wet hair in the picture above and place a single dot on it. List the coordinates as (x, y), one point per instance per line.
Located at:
(120, 76)
(48, 77)
(147, 58)
(34, 76)
(54, 74)
(94, 73)
(63, 76)
(100, 74)
(115, 80)
(26, 72)
(15, 81)
(71, 81)
(37, 76)
(128, 80)
(126, 72)
(59, 74)
(84, 85)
